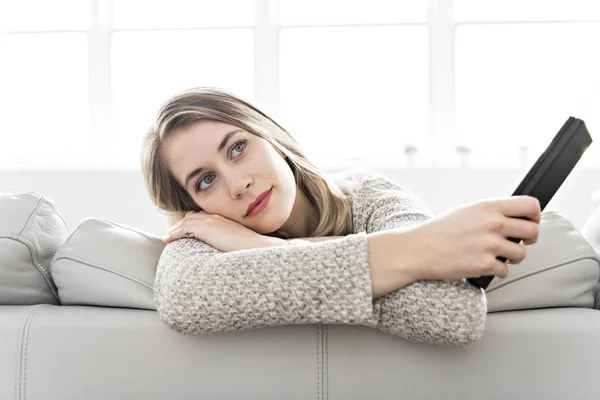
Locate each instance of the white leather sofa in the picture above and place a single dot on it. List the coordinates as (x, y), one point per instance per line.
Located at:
(77, 321)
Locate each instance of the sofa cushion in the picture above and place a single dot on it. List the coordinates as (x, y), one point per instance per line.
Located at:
(104, 263)
(31, 231)
(560, 270)
(591, 229)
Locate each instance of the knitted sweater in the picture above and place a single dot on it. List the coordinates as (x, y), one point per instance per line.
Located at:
(200, 290)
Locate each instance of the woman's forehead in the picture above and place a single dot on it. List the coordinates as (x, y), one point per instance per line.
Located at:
(193, 147)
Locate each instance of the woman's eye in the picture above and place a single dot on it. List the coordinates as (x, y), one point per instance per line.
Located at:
(240, 146)
(199, 184)
(241, 143)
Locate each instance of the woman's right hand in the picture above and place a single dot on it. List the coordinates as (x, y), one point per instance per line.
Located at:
(465, 241)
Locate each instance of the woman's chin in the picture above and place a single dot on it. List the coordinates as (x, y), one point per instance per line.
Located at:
(269, 226)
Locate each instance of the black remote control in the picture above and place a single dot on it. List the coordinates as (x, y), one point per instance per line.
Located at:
(549, 172)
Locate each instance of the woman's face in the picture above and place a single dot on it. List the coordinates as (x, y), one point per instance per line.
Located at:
(237, 167)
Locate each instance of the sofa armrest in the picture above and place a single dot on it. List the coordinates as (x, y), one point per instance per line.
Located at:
(560, 270)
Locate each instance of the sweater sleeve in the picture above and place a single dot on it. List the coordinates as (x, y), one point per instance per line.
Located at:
(433, 311)
(200, 290)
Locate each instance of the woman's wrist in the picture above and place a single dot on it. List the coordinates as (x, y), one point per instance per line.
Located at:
(392, 261)
(270, 241)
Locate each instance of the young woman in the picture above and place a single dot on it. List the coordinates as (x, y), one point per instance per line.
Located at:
(241, 194)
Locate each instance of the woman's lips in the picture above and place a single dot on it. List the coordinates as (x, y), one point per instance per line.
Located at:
(261, 205)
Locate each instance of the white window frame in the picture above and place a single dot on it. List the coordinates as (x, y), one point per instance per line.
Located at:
(441, 114)
(99, 55)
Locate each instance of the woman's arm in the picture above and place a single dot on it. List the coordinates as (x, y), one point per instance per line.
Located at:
(382, 247)
(434, 311)
(200, 290)
(444, 312)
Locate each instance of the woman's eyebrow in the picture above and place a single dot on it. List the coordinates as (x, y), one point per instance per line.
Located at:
(220, 149)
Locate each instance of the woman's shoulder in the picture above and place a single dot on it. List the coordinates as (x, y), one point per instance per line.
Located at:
(365, 180)
(373, 187)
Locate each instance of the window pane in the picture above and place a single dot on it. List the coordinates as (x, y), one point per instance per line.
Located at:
(149, 67)
(532, 10)
(182, 13)
(44, 99)
(294, 12)
(44, 15)
(517, 84)
(373, 85)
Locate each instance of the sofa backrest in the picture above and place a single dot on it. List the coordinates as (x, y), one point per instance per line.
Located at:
(104, 263)
(31, 232)
(108, 264)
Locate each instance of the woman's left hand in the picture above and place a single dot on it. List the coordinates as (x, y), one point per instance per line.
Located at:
(221, 233)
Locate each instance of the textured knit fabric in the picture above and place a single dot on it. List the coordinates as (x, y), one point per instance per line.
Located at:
(200, 290)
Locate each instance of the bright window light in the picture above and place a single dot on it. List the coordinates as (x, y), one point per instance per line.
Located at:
(353, 92)
(159, 14)
(149, 67)
(309, 12)
(44, 15)
(44, 98)
(516, 84)
(529, 10)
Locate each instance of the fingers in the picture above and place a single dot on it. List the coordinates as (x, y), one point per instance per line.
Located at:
(172, 235)
(186, 227)
(521, 229)
(521, 206)
(500, 269)
(494, 267)
(512, 251)
(179, 233)
(523, 218)
(531, 241)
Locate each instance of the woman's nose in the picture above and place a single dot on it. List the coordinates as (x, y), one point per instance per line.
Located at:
(240, 185)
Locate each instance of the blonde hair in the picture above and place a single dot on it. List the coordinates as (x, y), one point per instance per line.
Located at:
(208, 103)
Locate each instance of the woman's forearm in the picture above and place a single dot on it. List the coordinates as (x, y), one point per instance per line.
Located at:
(392, 265)
(390, 261)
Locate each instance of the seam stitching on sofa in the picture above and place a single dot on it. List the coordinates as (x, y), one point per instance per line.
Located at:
(19, 354)
(542, 268)
(326, 363)
(115, 271)
(33, 255)
(17, 382)
(56, 211)
(33, 252)
(318, 364)
(26, 348)
(148, 238)
(34, 258)
(30, 215)
(71, 234)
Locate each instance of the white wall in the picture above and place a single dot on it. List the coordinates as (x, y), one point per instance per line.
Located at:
(120, 195)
